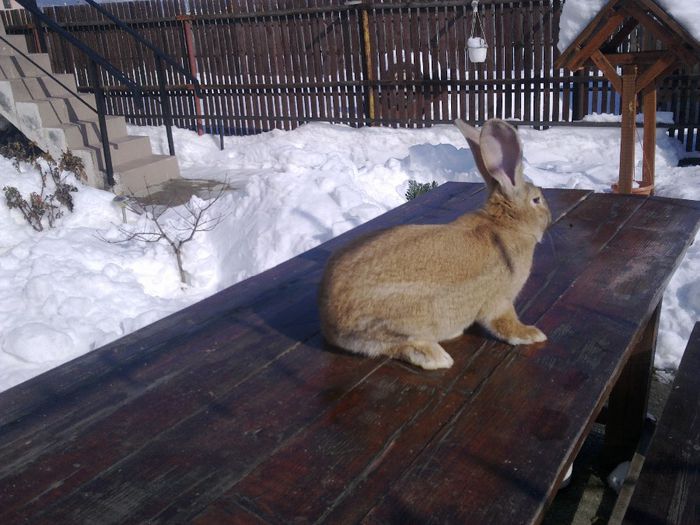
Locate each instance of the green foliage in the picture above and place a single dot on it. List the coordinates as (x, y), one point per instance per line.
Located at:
(417, 188)
(47, 203)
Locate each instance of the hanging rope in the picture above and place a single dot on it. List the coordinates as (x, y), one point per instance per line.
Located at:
(476, 19)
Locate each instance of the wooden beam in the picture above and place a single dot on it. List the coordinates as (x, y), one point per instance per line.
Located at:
(621, 35)
(608, 70)
(671, 22)
(596, 41)
(628, 129)
(638, 58)
(656, 71)
(570, 52)
(649, 147)
(661, 32)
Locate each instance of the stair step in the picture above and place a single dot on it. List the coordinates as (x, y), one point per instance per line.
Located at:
(18, 66)
(86, 132)
(124, 150)
(137, 176)
(68, 109)
(29, 88)
(52, 112)
(13, 44)
(128, 148)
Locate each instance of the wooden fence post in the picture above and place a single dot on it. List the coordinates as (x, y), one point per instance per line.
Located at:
(580, 96)
(189, 45)
(367, 66)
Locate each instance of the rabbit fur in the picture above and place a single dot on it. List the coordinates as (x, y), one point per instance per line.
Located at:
(400, 291)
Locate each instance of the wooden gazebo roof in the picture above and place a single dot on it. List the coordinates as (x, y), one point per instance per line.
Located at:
(599, 42)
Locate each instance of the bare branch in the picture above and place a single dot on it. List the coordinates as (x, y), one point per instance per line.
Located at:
(192, 217)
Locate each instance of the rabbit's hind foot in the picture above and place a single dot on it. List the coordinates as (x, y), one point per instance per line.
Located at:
(424, 354)
(509, 329)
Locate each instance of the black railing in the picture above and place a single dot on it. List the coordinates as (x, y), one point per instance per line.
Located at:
(95, 60)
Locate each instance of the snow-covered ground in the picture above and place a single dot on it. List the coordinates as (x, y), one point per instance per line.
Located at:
(66, 291)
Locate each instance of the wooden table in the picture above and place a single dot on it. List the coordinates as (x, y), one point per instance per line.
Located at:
(235, 410)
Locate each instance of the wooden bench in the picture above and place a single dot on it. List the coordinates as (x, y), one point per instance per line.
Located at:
(668, 489)
(236, 410)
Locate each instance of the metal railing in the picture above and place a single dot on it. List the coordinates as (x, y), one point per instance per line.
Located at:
(95, 60)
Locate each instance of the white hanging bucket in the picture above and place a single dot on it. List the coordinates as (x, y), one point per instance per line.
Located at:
(477, 49)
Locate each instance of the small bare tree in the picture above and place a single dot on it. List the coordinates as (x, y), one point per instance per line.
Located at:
(190, 219)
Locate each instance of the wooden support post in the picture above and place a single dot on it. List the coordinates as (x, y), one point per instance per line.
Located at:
(580, 97)
(628, 129)
(627, 405)
(368, 69)
(38, 33)
(649, 109)
(191, 53)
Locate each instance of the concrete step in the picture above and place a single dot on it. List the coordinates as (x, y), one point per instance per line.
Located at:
(13, 44)
(81, 133)
(31, 88)
(124, 150)
(56, 110)
(137, 176)
(36, 65)
(128, 148)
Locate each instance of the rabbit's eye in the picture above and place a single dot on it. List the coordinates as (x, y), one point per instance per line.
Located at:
(536, 200)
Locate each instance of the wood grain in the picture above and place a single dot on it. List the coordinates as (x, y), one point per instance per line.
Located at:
(235, 409)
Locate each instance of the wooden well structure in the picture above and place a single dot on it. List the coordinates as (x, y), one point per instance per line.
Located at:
(599, 43)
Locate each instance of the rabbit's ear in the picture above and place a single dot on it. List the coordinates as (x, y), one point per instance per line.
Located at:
(502, 154)
(473, 137)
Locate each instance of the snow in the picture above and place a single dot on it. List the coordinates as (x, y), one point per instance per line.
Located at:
(66, 291)
(576, 15)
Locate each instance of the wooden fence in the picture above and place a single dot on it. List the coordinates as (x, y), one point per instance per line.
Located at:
(268, 64)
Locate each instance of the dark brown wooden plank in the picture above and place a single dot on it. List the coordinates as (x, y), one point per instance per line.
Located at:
(269, 481)
(178, 400)
(497, 12)
(281, 51)
(667, 488)
(528, 60)
(537, 394)
(510, 51)
(224, 413)
(519, 67)
(416, 92)
(187, 393)
(538, 45)
(268, 485)
(61, 382)
(550, 99)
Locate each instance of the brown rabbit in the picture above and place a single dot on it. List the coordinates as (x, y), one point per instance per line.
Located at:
(400, 291)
